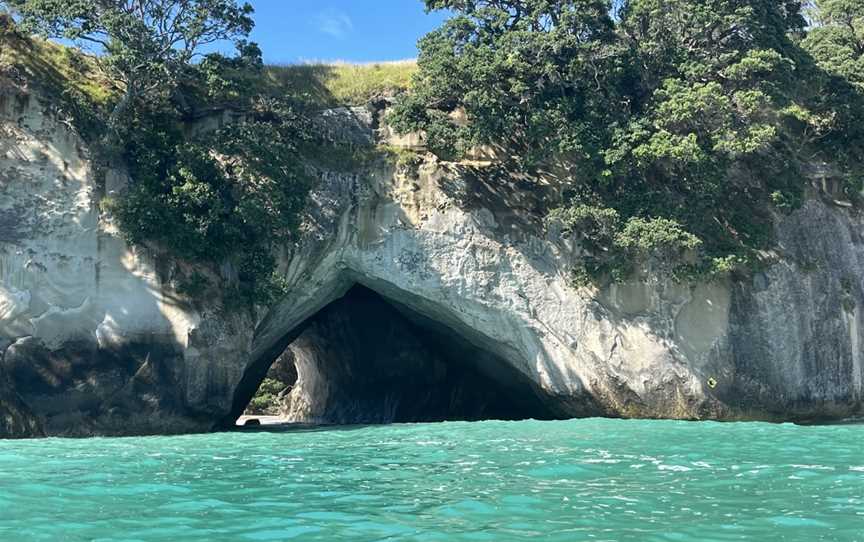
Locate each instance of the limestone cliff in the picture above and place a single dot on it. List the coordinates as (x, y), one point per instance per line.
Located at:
(96, 339)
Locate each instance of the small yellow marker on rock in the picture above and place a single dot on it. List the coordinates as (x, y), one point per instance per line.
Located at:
(712, 383)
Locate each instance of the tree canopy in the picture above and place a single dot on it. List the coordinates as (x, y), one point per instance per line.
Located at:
(680, 128)
(681, 120)
(837, 39)
(145, 45)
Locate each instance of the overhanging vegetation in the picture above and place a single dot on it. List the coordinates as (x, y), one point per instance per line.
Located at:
(680, 129)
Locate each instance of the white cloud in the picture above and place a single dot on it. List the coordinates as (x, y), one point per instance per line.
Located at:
(334, 23)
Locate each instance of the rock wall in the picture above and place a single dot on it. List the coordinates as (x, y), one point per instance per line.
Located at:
(15, 419)
(97, 341)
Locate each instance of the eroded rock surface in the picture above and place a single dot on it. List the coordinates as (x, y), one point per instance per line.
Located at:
(97, 340)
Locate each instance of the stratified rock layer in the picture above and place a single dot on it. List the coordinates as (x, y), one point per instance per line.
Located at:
(97, 340)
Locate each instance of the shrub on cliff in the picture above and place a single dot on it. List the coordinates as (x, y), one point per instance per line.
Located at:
(266, 399)
(699, 116)
(232, 194)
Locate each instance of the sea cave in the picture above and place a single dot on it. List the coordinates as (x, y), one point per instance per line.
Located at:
(364, 359)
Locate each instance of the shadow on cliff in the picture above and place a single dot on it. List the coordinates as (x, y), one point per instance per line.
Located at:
(306, 84)
(117, 370)
(518, 202)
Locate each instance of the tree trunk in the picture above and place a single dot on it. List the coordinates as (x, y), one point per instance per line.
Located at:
(117, 117)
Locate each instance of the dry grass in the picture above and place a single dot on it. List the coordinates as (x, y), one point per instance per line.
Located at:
(54, 65)
(342, 83)
(64, 68)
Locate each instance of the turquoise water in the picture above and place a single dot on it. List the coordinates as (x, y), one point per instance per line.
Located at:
(573, 480)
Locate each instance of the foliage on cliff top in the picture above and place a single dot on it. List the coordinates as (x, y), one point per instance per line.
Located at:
(837, 38)
(221, 150)
(693, 117)
(72, 79)
(311, 86)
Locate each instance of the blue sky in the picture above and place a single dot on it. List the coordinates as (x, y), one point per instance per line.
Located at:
(291, 31)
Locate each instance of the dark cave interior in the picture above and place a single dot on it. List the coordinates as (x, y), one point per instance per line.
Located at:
(364, 359)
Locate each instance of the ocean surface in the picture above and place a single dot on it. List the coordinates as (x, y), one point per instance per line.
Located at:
(573, 480)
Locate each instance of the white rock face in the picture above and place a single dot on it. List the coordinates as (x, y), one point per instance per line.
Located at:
(97, 341)
(69, 285)
(64, 274)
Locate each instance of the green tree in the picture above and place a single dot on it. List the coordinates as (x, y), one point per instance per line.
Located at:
(538, 71)
(145, 45)
(837, 39)
(213, 195)
(686, 121)
(233, 194)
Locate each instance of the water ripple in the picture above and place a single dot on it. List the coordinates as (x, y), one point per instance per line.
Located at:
(586, 479)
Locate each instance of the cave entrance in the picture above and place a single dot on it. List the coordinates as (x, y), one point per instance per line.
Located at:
(364, 359)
